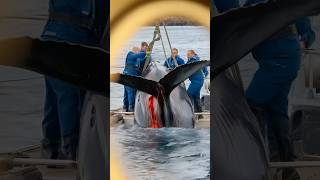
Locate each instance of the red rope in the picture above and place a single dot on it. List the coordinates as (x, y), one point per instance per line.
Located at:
(154, 121)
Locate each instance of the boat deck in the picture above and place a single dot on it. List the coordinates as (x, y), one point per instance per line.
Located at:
(118, 117)
(27, 164)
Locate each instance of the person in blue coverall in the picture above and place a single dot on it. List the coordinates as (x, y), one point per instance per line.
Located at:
(169, 63)
(75, 22)
(197, 80)
(134, 61)
(141, 61)
(279, 61)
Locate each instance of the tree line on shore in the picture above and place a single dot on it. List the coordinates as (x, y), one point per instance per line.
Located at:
(175, 21)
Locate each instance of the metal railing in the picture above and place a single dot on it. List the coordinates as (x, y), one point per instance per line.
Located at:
(312, 70)
(132, 113)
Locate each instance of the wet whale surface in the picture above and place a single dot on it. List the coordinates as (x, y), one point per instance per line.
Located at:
(181, 105)
(238, 148)
(160, 107)
(238, 145)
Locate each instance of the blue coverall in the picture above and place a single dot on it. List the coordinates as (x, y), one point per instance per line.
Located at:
(134, 62)
(279, 62)
(197, 80)
(169, 63)
(63, 100)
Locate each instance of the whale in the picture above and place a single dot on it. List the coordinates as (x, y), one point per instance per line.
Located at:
(238, 148)
(162, 99)
(83, 66)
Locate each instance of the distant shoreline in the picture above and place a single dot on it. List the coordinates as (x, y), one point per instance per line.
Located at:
(175, 21)
(182, 23)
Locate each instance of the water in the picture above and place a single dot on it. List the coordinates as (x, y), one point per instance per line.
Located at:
(168, 153)
(21, 102)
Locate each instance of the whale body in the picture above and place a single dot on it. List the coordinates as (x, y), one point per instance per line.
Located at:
(162, 99)
(180, 103)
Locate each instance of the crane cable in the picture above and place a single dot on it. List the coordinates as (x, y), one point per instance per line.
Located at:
(164, 49)
(174, 58)
(169, 42)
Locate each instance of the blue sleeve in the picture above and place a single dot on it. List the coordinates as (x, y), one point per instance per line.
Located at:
(166, 63)
(205, 71)
(191, 60)
(305, 31)
(225, 5)
(141, 64)
(140, 55)
(180, 61)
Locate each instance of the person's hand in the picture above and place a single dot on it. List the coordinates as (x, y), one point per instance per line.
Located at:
(302, 44)
(157, 38)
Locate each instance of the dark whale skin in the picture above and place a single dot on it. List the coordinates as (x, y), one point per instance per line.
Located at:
(238, 151)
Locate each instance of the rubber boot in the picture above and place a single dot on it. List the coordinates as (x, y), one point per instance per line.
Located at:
(69, 150)
(125, 108)
(50, 151)
(131, 108)
(198, 108)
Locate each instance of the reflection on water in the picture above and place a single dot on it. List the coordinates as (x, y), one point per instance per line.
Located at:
(168, 153)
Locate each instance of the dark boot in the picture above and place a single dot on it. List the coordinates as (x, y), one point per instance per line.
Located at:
(69, 150)
(197, 105)
(198, 108)
(125, 108)
(280, 127)
(131, 108)
(50, 150)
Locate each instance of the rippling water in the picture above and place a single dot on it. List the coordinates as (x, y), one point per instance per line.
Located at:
(167, 153)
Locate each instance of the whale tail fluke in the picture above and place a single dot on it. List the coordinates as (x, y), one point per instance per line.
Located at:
(165, 85)
(80, 65)
(136, 82)
(180, 74)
